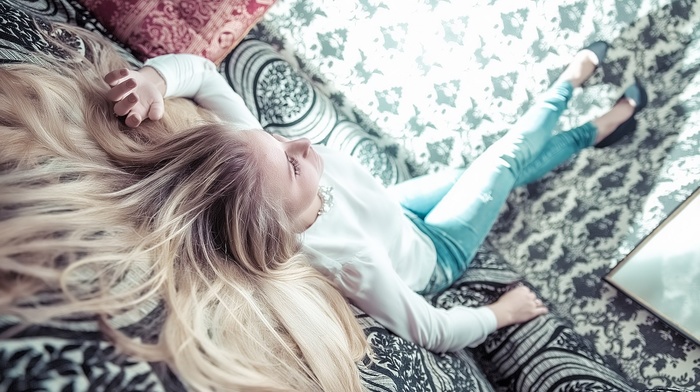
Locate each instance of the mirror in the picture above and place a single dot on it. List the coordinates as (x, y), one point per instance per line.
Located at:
(663, 272)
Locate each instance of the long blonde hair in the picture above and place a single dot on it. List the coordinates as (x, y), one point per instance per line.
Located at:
(172, 213)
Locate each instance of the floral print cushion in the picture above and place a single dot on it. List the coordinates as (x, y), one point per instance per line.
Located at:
(151, 28)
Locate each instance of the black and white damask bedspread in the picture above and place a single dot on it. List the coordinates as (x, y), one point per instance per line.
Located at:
(340, 88)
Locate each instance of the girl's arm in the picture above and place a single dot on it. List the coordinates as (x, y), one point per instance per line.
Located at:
(372, 284)
(139, 94)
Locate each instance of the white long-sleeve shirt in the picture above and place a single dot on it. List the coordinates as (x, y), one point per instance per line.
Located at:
(365, 244)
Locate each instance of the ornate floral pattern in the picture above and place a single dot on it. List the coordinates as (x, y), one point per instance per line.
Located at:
(41, 360)
(152, 28)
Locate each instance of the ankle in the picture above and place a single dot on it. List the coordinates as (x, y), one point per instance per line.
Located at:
(581, 68)
(603, 129)
(608, 122)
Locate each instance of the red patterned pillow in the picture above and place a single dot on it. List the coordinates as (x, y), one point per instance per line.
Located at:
(209, 28)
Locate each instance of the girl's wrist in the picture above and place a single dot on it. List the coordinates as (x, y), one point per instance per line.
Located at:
(153, 76)
(503, 317)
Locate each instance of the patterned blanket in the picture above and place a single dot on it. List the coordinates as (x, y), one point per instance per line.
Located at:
(547, 354)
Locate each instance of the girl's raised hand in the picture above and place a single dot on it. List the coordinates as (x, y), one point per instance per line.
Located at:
(136, 94)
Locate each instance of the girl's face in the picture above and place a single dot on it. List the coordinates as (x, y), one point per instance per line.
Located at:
(293, 171)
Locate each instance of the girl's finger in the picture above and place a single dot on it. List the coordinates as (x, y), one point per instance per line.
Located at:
(133, 120)
(120, 91)
(156, 111)
(115, 77)
(124, 106)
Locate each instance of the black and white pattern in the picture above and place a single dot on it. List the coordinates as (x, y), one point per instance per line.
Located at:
(286, 103)
(307, 71)
(63, 360)
(64, 11)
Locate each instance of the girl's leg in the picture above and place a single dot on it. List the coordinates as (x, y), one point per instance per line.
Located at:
(559, 149)
(485, 187)
(420, 194)
(469, 209)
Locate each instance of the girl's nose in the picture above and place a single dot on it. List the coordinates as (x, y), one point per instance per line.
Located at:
(300, 146)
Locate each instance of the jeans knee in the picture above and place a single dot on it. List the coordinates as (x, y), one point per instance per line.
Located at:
(514, 154)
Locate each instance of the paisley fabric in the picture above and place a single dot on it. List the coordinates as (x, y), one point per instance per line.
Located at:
(151, 28)
(290, 94)
(68, 359)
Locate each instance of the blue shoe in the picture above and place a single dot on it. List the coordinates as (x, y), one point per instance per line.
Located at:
(638, 94)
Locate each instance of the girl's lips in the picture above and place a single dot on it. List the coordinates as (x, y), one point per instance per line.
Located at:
(319, 160)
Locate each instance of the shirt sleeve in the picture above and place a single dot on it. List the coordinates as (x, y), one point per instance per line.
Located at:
(195, 77)
(372, 284)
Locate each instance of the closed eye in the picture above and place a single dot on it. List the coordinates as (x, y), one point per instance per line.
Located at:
(295, 165)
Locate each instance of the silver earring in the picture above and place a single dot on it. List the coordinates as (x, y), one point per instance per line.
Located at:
(325, 193)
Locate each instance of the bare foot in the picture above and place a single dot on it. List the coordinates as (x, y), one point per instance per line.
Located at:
(581, 68)
(618, 114)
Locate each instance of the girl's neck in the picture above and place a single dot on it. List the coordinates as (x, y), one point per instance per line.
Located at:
(323, 202)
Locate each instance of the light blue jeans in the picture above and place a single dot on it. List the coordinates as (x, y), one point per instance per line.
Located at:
(457, 208)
